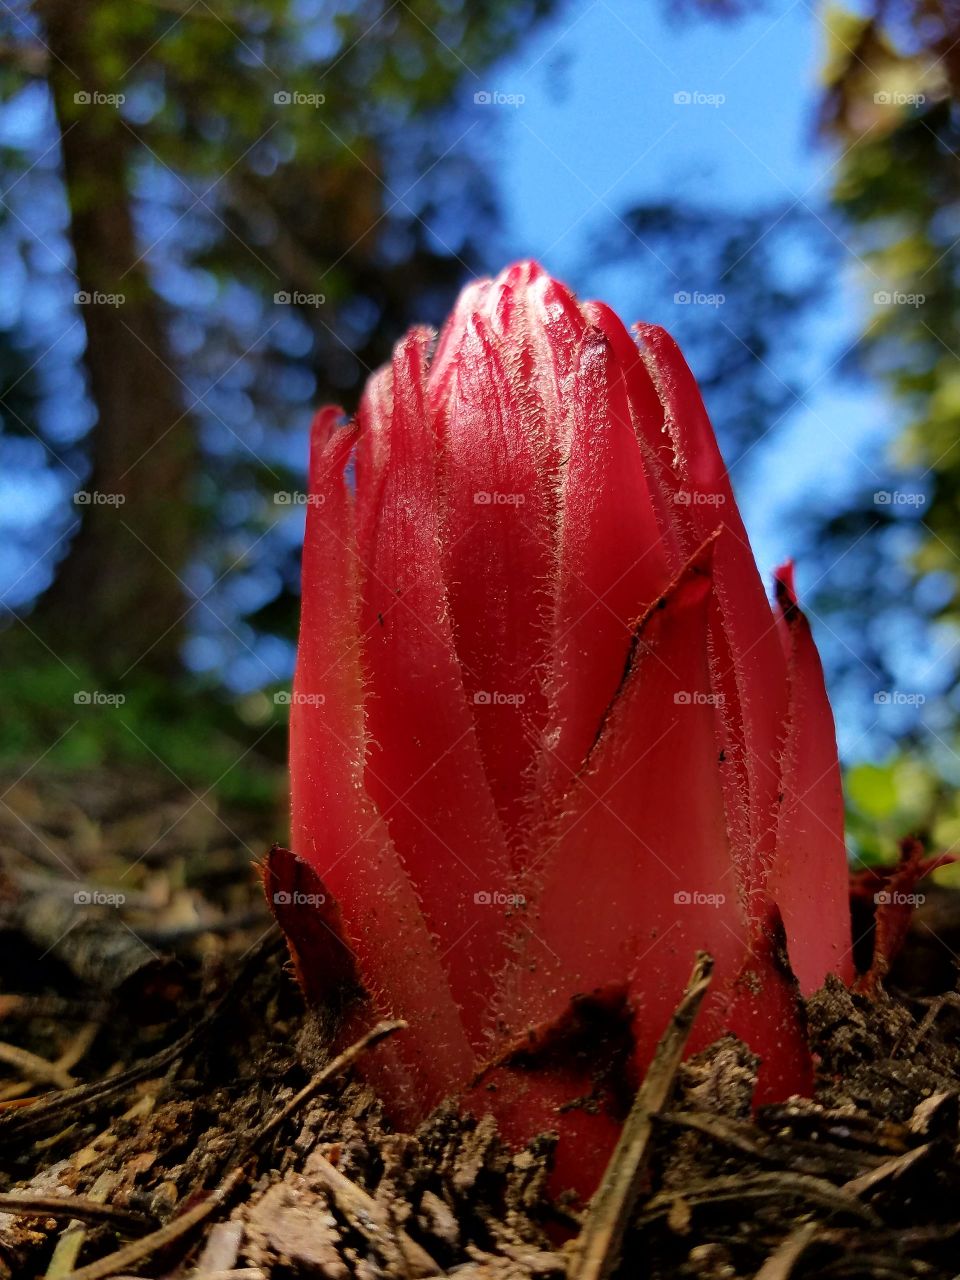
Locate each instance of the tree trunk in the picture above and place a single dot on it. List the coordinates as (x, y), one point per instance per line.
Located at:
(117, 599)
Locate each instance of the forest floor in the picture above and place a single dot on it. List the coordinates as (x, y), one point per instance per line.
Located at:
(168, 1107)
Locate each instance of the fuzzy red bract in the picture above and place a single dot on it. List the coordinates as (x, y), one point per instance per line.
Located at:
(548, 736)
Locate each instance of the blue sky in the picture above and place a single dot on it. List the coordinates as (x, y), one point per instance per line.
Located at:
(599, 130)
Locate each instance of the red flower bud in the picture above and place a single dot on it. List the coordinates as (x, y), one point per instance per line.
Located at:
(548, 737)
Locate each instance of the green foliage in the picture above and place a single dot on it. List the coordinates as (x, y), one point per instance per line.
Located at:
(887, 801)
(898, 193)
(62, 718)
(890, 106)
(905, 795)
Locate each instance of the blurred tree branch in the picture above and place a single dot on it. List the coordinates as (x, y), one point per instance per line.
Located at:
(282, 150)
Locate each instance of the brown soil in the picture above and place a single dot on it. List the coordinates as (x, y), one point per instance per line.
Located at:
(152, 1054)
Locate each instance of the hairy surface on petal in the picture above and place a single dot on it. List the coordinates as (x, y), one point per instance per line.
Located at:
(649, 424)
(536, 326)
(705, 499)
(549, 739)
(611, 562)
(767, 1014)
(443, 365)
(372, 454)
(498, 559)
(732, 754)
(809, 876)
(557, 327)
(335, 828)
(641, 852)
(424, 768)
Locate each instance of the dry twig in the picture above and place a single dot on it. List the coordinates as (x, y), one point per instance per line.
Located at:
(597, 1249)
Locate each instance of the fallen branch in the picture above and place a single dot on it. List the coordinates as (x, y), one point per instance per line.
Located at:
(332, 1069)
(84, 1210)
(139, 1250)
(595, 1252)
(33, 1067)
(778, 1184)
(780, 1264)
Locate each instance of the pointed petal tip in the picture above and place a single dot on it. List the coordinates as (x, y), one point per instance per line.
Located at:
(599, 315)
(332, 436)
(785, 585)
(527, 278)
(323, 424)
(523, 272)
(411, 354)
(646, 332)
(595, 338)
